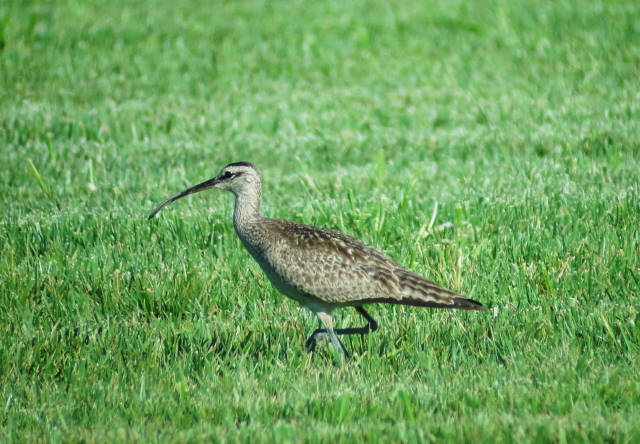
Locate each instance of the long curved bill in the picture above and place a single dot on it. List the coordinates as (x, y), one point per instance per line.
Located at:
(207, 184)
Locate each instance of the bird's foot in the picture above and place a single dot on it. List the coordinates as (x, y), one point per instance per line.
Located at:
(312, 342)
(340, 352)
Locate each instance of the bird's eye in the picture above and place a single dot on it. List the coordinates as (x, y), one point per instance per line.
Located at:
(227, 175)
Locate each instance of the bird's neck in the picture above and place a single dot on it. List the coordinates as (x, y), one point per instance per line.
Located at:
(246, 220)
(247, 208)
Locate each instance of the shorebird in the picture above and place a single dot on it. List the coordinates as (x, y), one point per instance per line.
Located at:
(319, 268)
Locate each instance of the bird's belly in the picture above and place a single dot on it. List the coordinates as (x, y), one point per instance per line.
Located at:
(285, 286)
(282, 283)
(314, 289)
(323, 281)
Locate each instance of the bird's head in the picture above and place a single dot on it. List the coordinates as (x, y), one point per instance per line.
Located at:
(237, 177)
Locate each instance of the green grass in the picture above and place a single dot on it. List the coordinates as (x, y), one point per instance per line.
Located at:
(521, 119)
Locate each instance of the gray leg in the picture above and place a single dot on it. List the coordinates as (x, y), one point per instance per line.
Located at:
(327, 321)
(311, 342)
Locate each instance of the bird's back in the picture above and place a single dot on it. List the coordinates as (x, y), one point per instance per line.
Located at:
(313, 264)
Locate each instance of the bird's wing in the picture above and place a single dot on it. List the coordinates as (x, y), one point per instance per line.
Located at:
(331, 266)
(341, 270)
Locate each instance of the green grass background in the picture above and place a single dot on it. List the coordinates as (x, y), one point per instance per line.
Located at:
(520, 119)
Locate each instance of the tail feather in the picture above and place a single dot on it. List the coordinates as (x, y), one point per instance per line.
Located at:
(418, 291)
(460, 303)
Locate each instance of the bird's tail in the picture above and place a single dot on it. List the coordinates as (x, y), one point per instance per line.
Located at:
(418, 291)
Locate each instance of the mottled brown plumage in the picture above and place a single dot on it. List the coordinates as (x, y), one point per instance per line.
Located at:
(321, 269)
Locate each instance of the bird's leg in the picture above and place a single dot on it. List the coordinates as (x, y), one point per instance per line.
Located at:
(327, 321)
(371, 326)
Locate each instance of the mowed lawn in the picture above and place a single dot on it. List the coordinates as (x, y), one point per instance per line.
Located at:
(492, 146)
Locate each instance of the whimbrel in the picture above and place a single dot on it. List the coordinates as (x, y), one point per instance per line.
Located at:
(321, 269)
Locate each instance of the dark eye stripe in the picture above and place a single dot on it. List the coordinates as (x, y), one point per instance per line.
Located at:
(230, 175)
